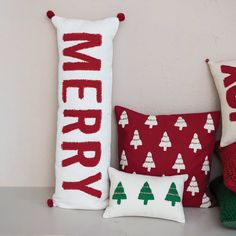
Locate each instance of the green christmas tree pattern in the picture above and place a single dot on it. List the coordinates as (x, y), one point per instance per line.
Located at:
(146, 193)
(173, 195)
(119, 193)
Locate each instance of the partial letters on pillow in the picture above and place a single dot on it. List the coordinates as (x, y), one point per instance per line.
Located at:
(224, 75)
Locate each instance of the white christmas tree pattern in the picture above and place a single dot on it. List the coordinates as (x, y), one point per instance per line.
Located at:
(195, 143)
(123, 119)
(206, 202)
(151, 121)
(123, 160)
(136, 141)
(181, 123)
(149, 163)
(209, 125)
(206, 166)
(179, 164)
(165, 141)
(193, 186)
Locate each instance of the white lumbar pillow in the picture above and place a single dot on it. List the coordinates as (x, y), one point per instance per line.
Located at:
(142, 195)
(85, 51)
(224, 75)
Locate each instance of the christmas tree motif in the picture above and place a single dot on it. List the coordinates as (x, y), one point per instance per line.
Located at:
(145, 194)
(136, 141)
(149, 163)
(195, 143)
(119, 193)
(206, 202)
(165, 141)
(206, 166)
(151, 121)
(123, 119)
(123, 160)
(209, 125)
(173, 195)
(181, 123)
(193, 186)
(179, 164)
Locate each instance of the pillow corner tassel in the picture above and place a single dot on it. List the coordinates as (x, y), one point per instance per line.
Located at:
(50, 203)
(120, 16)
(50, 14)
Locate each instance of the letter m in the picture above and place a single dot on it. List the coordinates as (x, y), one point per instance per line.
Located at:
(83, 41)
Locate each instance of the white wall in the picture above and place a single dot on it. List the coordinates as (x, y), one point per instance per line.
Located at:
(158, 68)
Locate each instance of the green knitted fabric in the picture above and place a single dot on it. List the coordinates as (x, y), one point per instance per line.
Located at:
(227, 202)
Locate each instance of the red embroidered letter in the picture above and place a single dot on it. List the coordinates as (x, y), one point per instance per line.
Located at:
(231, 100)
(231, 96)
(231, 92)
(81, 85)
(85, 62)
(81, 123)
(83, 185)
(232, 116)
(81, 148)
(232, 75)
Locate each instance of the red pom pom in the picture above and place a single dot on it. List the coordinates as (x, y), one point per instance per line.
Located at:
(50, 14)
(50, 202)
(121, 16)
(207, 60)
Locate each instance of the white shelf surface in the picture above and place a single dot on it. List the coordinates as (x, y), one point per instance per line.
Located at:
(23, 211)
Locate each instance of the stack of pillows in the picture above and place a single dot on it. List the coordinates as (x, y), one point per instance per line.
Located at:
(165, 160)
(168, 158)
(224, 75)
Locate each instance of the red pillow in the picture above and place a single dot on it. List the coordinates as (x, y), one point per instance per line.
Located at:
(169, 145)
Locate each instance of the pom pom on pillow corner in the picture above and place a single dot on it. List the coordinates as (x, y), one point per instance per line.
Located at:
(169, 145)
(85, 51)
(148, 196)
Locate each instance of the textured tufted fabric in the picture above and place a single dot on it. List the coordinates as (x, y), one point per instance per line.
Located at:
(227, 202)
(228, 157)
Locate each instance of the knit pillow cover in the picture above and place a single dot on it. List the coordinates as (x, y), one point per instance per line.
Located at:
(227, 202)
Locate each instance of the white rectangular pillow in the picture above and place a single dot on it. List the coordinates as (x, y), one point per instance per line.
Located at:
(142, 195)
(85, 51)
